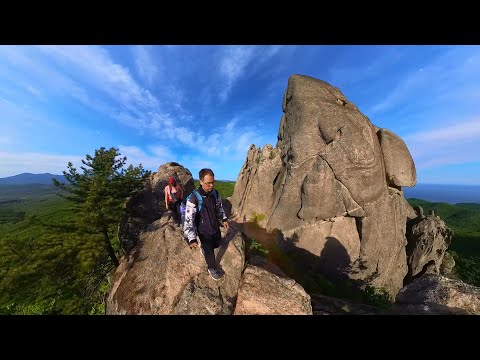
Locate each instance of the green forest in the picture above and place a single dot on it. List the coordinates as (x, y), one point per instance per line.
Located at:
(50, 265)
(464, 220)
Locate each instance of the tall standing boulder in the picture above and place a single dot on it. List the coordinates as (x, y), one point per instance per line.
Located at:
(332, 171)
(254, 186)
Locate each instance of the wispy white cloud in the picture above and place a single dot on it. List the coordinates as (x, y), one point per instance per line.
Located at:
(6, 140)
(237, 61)
(445, 77)
(404, 90)
(196, 163)
(145, 64)
(112, 91)
(21, 116)
(231, 142)
(455, 144)
(272, 50)
(96, 67)
(344, 75)
(49, 80)
(129, 102)
(457, 133)
(157, 156)
(232, 66)
(34, 91)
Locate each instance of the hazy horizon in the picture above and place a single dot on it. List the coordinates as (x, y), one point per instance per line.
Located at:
(403, 187)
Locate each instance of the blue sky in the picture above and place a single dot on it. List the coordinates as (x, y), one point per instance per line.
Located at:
(203, 106)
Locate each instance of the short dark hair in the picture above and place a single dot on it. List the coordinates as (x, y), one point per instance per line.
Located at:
(203, 172)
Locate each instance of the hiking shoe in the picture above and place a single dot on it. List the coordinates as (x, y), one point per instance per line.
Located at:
(213, 273)
(219, 270)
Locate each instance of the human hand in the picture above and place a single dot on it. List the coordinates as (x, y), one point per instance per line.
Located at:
(193, 245)
(225, 224)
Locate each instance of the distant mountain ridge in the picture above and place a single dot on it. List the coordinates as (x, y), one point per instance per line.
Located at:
(29, 178)
(450, 194)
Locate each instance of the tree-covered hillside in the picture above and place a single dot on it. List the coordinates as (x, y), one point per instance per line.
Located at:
(464, 220)
(46, 265)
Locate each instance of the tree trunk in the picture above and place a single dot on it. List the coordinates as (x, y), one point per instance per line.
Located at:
(109, 248)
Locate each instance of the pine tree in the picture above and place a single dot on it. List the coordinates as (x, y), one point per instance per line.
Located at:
(100, 193)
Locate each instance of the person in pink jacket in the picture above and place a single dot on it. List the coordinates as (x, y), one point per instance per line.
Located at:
(173, 197)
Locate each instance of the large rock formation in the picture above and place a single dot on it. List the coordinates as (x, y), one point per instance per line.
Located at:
(428, 240)
(149, 204)
(252, 196)
(433, 294)
(260, 289)
(162, 275)
(333, 177)
(332, 191)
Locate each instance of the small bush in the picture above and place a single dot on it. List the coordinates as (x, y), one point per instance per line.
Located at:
(376, 297)
(253, 247)
(257, 218)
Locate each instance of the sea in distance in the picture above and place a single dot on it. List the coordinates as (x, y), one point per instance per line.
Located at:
(451, 194)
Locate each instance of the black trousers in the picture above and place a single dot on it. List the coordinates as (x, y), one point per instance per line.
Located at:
(209, 243)
(175, 208)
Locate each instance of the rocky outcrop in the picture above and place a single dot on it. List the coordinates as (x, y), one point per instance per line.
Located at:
(162, 275)
(428, 240)
(253, 193)
(264, 293)
(334, 176)
(448, 263)
(437, 295)
(399, 166)
(327, 305)
(149, 204)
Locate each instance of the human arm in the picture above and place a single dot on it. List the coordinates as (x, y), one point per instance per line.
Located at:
(221, 215)
(166, 191)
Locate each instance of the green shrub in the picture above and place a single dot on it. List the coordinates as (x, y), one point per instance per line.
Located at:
(257, 218)
(253, 247)
(376, 297)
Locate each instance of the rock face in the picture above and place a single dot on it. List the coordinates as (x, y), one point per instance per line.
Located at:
(448, 263)
(149, 204)
(437, 295)
(162, 275)
(253, 191)
(262, 292)
(399, 166)
(428, 239)
(332, 177)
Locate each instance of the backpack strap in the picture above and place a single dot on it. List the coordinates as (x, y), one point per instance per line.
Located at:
(200, 200)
